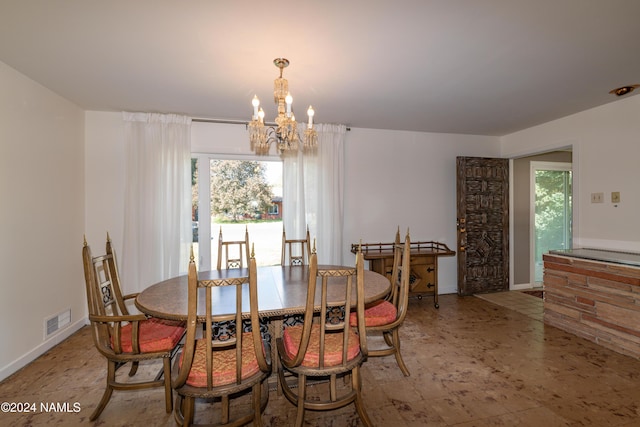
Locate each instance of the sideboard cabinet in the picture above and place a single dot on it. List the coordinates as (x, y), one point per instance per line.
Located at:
(424, 264)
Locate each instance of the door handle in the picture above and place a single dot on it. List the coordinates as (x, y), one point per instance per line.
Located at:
(461, 224)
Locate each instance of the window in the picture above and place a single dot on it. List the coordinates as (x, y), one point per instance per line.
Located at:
(274, 209)
(234, 195)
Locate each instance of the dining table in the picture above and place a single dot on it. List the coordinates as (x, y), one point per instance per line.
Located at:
(282, 291)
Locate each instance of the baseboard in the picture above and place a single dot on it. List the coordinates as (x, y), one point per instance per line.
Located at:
(38, 351)
(521, 286)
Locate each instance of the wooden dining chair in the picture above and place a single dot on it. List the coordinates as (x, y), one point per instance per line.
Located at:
(386, 316)
(234, 252)
(221, 370)
(122, 337)
(298, 249)
(326, 346)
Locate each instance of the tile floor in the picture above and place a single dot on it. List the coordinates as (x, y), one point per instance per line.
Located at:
(518, 301)
(472, 362)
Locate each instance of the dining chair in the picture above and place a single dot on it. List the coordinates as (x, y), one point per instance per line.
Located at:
(220, 370)
(386, 316)
(122, 337)
(298, 249)
(326, 346)
(234, 252)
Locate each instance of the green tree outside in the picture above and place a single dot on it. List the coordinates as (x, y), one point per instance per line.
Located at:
(553, 210)
(239, 189)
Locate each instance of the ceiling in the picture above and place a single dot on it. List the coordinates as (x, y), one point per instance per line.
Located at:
(483, 67)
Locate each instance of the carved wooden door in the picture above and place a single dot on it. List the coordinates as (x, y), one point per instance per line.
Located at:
(483, 225)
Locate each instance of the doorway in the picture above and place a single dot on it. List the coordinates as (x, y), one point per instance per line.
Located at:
(523, 219)
(551, 212)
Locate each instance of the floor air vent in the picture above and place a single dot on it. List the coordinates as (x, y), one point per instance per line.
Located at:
(57, 322)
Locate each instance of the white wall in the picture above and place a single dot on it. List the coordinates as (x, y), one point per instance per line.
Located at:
(606, 149)
(105, 180)
(41, 217)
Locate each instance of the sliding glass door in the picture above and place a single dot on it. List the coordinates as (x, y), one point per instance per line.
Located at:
(231, 195)
(551, 201)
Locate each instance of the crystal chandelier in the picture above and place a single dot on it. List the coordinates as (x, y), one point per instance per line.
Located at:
(285, 133)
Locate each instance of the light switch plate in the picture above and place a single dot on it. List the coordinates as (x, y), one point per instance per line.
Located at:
(597, 197)
(615, 197)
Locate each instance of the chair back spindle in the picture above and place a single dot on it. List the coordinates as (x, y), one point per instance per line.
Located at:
(298, 250)
(234, 252)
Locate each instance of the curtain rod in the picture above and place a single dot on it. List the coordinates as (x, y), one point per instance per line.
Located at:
(232, 122)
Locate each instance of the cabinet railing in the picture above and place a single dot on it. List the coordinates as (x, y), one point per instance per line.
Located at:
(430, 247)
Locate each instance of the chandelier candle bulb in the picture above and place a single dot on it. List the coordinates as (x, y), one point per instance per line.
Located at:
(310, 113)
(256, 103)
(289, 101)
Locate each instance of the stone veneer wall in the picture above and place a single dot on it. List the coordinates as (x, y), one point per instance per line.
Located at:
(595, 300)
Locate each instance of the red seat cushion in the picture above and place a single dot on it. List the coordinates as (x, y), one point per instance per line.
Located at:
(381, 313)
(333, 346)
(224, 364)
(154, 335)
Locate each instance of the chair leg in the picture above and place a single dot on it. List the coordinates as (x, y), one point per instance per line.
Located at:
(225, 410)
(302, 397)
(333, 388)
(396, 345)
(178, 415)
(388, 337)
(168, 391)
(134, 368)
(257, 404)
(188, 410)
(357, 386)
(111, 376)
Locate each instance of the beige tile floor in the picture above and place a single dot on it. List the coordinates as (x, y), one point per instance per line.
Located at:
(472, 362)
(518, 301)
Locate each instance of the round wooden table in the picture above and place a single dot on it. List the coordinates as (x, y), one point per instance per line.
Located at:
(281, 291)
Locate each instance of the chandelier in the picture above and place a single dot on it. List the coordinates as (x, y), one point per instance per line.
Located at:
(285, 132)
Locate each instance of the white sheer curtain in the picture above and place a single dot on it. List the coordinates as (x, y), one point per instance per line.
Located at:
(313, 193)
(293, 201)
(157, 200)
